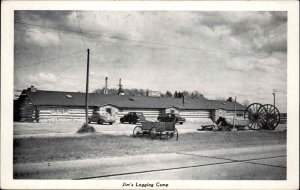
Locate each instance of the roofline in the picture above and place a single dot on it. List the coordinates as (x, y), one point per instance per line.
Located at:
(107, 105)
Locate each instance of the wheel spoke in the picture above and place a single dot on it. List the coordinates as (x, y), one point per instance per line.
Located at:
(272, 117)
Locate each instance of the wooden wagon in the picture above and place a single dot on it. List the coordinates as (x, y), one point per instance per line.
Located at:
(161, 130)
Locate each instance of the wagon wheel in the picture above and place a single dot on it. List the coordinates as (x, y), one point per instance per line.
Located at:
(137, 131)
(153, 133)
(173, 135)
(272, 117)
(255, 113)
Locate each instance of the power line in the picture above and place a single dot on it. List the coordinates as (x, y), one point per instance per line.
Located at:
(60, 35)
(126, 39)
(80, 30)
(58, 74)
(68, 66)
(52, 59)
(110, 43)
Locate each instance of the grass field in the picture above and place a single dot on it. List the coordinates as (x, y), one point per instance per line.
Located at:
(93, 146)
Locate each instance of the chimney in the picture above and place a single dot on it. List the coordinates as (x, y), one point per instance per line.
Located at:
(120, 91)
(32, 89)
(229, 99)
(105, 89)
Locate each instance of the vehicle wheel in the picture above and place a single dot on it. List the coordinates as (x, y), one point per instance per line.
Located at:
(110, 123)
(100, 121)
(153, 133)
(89, 121)
(137, 131)
(121, 120)
(180, 123)
(173, 135)
(129, 122)
(134, 122)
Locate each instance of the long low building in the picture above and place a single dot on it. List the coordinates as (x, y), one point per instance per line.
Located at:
(55, 106)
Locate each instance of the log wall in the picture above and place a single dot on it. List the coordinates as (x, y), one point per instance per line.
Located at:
(195, 115)
(26, 110)
(62, 114)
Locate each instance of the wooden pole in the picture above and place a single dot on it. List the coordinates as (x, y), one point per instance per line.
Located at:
(87, 87)
(274, 98)
(234, 112)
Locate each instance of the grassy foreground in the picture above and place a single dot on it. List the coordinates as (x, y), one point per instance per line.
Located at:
(94, 146)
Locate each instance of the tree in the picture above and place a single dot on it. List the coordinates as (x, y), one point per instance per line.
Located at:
(169, 94)
(197, 94)
(98, 91)
(186, 93)
(179, 95)
(246, 103)
(220, 98)
(175, 94)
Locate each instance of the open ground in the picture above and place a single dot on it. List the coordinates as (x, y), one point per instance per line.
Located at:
(55, 151)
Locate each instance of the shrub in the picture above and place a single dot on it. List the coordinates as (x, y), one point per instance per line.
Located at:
(85, 128)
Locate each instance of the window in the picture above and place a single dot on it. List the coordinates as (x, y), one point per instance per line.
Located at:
(239, 114)
(108, 110)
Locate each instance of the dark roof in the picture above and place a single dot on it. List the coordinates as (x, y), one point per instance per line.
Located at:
(58, 98)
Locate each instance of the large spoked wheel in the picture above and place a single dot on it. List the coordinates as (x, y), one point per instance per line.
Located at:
(137, 131)
(153, 133)
(173, 135)
(272, 116)
(255, 113)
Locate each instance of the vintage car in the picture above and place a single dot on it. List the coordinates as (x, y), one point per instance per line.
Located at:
(133, 117)
(171, 116)
(101, 118)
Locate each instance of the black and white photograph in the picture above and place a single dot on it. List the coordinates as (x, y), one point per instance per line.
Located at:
(138, 97)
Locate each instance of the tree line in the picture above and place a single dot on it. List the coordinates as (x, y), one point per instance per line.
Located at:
(144, 92)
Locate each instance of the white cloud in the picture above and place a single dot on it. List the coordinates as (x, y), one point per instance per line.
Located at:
(237, 52)
(42, 78)
(41, 37)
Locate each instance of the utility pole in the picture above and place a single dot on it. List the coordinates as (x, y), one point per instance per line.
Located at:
(234, 128)
(87, 87)
(274, 98)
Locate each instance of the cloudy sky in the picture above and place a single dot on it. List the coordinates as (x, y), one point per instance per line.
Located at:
(220, 54)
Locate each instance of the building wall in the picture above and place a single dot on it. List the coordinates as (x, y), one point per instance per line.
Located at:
(239, 114)
(217, 113)
(195, 115)
(26, 110)
(77, 114)
(62, 114)
(69, 114)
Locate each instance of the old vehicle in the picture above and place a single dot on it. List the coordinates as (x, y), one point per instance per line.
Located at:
(256, 117)
(133, 117)
(162, 130)
(262, 116)
(168, 116)
(101, 118)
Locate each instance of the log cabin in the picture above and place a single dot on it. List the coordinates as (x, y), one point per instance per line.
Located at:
(35, 105)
